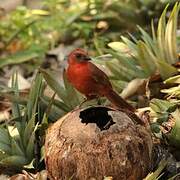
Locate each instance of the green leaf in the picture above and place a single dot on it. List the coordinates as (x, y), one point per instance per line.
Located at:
(16, 112)
(170, 45)
(30, 145)
(153, 33)
(29, 128)
(174, 79)
(134, 40)
(5, 148)
(4, 136)
(34, 94)
(14, 86)
(172, 92)
(160, 106)
(120, 47)
(155, 128)
(129, 63)
(161, 35)
(55, 111)
(145, 59)
(130, 44)
(174, 135)
(165, 69)
(119, 85)
(147, 39)
(48, 108)
(54, 84)
(3, 155)
(119, 71)
(17, 161)
(61, 105)
(15, 148)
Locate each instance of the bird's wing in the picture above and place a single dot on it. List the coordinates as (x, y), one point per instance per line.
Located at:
(99, 76)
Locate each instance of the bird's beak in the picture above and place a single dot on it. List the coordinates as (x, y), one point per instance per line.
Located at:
(87, 58)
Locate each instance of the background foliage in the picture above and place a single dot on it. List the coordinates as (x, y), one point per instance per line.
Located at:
(136, 42)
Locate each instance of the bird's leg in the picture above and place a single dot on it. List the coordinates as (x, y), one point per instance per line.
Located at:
(79, 106)
(88, 98)
(85, 100)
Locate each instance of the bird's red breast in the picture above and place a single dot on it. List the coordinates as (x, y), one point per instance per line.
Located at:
(83, 77)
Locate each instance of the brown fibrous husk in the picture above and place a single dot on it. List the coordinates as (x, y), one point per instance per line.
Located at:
(97, 142)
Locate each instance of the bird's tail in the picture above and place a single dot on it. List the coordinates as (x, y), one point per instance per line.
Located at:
(118, 101)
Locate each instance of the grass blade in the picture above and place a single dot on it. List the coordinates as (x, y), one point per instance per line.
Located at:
(28, 130)
(170, 36)
(4, 136)
(16, 150)
(30, 145)
(5, 148)
(118, 71)
(165, 69)
(161, 35)
(145, 59)
(53, 83)
(147, 39)
(34, 96)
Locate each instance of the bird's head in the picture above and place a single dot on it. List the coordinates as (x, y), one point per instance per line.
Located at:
(78, 55)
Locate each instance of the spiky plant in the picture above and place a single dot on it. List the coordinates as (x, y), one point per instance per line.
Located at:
(147, 56)
(165, 121)
(18, 137)
(173, 92)
(141, 59)
(165, 113)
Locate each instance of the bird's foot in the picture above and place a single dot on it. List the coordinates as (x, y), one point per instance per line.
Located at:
(80, 105)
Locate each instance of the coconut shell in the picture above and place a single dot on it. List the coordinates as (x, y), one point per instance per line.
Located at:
(97, 142)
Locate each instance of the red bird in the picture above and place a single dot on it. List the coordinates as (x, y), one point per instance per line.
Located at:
(91, 81)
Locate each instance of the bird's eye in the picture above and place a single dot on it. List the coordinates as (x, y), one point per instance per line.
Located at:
(79, 56)
(82, 57)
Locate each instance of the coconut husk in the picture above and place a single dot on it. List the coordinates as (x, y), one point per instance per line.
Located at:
(97, 142)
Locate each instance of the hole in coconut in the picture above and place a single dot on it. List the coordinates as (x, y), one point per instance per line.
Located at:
(98, 115)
